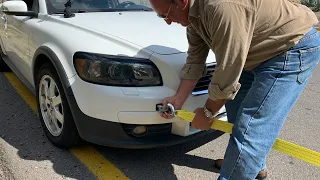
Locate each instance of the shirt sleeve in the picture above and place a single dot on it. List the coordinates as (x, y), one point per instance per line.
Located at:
(231, 29)
(198, 50)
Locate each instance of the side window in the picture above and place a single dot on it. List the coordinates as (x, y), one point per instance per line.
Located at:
(35, 6)
(32, 5)
(29, 4)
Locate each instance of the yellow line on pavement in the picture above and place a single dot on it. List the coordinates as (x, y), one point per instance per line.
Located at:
(23, 91)
(92, 159)
(97, 164)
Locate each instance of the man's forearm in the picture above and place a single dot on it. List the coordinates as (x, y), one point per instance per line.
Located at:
(185, 88)
(215, 106)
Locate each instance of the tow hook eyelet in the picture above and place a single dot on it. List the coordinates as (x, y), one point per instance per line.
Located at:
(169, 110)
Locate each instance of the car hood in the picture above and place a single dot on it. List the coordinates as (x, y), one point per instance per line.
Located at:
(144, 29)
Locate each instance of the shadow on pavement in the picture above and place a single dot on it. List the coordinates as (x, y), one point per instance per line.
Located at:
(21, 128)
(158, 163)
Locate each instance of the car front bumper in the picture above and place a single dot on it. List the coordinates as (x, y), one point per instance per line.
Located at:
(107, 115)
(113, 134)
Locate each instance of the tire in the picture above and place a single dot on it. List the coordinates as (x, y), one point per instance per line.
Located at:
(3, 66)
(53, 108)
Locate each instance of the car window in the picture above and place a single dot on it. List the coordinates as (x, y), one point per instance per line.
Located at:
(35, 6)
(58, 6)
(29, 4)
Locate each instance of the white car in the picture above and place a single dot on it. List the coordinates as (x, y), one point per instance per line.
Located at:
(98, 69)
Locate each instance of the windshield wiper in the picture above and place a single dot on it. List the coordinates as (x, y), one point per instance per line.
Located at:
(67, 12)
(82, 11)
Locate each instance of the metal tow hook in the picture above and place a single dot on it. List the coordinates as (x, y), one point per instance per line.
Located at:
(169, 110)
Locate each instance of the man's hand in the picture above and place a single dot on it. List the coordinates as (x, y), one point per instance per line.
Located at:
(177, 103)
(184, 90)
(200, 121)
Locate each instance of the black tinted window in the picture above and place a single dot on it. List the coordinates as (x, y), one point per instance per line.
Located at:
(55, 6)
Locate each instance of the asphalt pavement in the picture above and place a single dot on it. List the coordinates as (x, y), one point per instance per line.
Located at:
(26, 154)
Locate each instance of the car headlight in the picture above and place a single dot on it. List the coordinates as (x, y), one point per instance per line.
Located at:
(116, 70)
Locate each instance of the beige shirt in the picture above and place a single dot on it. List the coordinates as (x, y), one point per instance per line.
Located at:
(242, 34)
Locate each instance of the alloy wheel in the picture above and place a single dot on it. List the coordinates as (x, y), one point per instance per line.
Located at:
(51, 105)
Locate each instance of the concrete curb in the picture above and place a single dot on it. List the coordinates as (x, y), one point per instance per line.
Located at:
(5, 172)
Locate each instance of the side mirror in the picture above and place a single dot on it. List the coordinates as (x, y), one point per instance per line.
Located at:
(17, 8)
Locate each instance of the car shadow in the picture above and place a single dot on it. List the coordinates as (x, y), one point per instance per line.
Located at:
(21, 129)
(159, 163)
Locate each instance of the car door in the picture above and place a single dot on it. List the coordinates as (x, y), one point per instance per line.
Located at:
(3, 26)
(17, 41)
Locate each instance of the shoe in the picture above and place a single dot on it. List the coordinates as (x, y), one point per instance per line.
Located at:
(261, 176)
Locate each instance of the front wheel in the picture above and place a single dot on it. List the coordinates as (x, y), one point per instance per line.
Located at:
(53, 109)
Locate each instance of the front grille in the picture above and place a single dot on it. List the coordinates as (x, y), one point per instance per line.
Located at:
(203, 83)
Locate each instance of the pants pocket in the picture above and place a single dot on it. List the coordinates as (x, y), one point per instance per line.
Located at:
(309, 60)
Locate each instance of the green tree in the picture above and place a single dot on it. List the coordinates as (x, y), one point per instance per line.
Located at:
(313, 4)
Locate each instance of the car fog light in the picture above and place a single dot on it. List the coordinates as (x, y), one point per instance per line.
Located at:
(139, 130)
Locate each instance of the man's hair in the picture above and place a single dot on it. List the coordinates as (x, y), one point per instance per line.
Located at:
(171, 1)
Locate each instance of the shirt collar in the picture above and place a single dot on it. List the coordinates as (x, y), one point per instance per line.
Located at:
(194, 8)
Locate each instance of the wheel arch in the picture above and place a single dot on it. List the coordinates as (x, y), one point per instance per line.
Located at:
(46, 55)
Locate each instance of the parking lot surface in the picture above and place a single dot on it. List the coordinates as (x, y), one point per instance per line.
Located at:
(27, 154)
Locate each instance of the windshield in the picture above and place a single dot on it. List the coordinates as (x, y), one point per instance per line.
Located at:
(58, 6)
